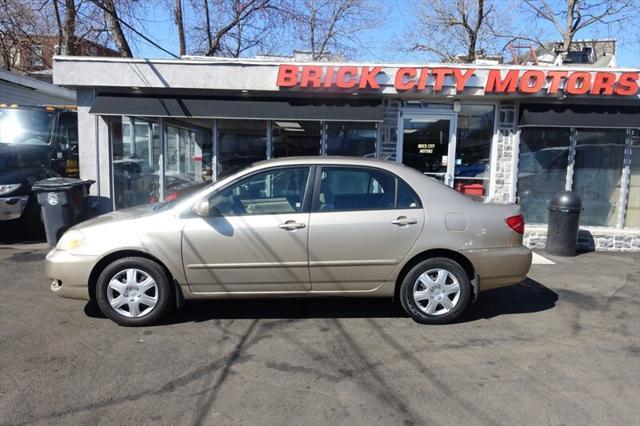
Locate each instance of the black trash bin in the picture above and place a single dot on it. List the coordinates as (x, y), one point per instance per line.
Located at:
(564, 219)
(63, 203)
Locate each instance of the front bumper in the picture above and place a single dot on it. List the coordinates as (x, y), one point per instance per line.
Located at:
(500, 267)
(70, 273)
(12, 207)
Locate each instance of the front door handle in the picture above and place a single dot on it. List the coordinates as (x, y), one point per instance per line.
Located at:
(404, 221)
(291, 225)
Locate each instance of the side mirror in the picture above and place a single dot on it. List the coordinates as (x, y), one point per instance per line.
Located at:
(201, 208)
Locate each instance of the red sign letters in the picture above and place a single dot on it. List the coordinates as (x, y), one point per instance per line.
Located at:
(493, 81)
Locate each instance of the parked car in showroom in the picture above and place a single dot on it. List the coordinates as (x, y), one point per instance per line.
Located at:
(306, 226)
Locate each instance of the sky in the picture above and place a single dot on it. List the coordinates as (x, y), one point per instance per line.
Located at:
(378, 44)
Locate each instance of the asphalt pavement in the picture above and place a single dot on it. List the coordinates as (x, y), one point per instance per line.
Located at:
(563, 348)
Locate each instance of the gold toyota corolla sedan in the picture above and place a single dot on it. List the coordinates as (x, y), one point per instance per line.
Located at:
(307, 226)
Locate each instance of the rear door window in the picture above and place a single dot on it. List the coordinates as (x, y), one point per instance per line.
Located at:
(407, 198)
(343, 188)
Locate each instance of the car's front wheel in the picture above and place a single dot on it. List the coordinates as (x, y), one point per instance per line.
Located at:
(435, 291)
(134, 291)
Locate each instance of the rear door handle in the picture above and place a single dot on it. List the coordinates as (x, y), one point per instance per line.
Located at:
(404, 221)
(291, 225)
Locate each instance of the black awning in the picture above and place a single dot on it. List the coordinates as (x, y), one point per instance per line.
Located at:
(260, 108)
(545, 115)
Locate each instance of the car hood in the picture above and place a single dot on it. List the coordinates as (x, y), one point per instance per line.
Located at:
(117, 217)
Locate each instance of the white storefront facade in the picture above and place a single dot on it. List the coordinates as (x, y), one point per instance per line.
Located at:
(496, 133)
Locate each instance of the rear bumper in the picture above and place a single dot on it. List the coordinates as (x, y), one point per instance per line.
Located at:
(70, 273)
(12, 207)
(500, 267)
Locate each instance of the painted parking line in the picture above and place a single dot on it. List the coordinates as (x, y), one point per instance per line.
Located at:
(539, 260)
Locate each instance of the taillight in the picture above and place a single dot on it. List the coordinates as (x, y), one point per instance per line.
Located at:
(516, 223)
(171, 196)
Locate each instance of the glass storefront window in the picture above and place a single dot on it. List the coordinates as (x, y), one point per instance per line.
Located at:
(183, 161)
(353, 139)
(542, 169)
(240, 143)
(293, 138)
(135, 172)
(171, 153)
(633, 203)
(473, 149)
(597, 174)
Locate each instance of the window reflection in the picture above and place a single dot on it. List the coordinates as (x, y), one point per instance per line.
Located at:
(183, 161)
(135, 167)
(293, 138)
(353, 139)
(542, 169)
(597, 174)
(135, 144)
(240, 143)
(473, 149)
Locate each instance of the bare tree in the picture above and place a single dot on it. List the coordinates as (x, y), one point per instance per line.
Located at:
(231, 27)
(119, 37)
(177, 15)
(20, 22)
(56, 10)
(568, 17)
(455, 30)
(331, 25)
(69, 29)
(207, 18)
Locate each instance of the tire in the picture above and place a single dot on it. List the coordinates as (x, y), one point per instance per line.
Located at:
(126, 297)
(429, 306)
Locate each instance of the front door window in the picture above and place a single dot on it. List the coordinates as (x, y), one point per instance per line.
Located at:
(273, 192)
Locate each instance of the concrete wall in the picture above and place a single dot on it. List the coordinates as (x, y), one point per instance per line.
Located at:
(94, 151)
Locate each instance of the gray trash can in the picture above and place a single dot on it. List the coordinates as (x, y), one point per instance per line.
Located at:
(63, 204)
(564, 220)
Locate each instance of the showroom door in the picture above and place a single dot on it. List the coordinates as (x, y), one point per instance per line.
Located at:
(429, 144)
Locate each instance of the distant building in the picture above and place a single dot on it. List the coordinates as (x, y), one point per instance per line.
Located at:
(34, 56)
(590, 53)
(303, 56)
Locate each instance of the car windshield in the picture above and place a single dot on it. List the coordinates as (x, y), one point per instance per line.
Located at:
(25, 126)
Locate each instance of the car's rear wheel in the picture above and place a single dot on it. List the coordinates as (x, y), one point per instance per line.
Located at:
(134, 291)
(435, 291)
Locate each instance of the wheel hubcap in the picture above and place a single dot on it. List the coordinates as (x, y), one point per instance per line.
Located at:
(436, 292)
(132, 293)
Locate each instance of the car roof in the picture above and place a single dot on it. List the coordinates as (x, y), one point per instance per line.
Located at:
(333, 160)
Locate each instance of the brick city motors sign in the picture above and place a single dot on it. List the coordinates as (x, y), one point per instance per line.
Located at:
(494, 81)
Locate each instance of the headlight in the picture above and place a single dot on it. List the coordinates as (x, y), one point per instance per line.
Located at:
(70, 240)
(8, 188)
